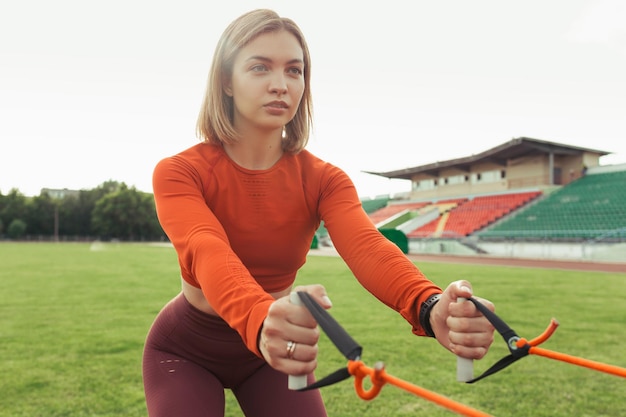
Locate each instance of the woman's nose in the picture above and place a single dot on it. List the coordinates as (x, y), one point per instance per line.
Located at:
(278, 85)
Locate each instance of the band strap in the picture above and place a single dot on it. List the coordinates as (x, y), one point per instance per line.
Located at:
(340, 338)
(509, 336)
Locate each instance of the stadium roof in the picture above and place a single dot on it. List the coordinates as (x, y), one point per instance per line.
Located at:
(515, 148)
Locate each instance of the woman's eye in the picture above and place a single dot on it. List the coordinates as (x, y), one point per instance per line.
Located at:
(259, 68)
(295, 70)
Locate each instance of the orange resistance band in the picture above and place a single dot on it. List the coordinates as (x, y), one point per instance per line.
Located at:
(379, 377)
(598, 366)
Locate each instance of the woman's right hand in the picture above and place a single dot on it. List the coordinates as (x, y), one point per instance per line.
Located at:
(287, 323)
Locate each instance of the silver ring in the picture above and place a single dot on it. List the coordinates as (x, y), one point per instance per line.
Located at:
(291, 348)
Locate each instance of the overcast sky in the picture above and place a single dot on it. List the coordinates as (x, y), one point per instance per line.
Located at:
(92, 91)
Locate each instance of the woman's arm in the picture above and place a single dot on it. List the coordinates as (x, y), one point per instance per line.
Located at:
(378, 264)
(205, 256)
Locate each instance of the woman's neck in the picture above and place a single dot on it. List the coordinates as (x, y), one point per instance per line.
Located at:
(257, 151)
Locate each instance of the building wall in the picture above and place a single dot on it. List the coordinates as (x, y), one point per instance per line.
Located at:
(485, 177)
(587, 251)
(528, 172)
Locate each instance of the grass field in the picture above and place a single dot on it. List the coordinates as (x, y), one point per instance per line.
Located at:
(73, 319)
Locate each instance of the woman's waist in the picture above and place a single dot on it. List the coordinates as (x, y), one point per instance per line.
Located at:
(196, 298)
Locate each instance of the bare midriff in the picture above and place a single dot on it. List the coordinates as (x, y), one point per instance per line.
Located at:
(196, 298)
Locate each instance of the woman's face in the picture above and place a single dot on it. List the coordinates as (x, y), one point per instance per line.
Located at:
(267, 82)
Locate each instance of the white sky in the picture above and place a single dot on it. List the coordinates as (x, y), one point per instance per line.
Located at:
(98, 90)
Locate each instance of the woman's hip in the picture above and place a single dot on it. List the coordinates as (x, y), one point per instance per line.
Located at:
(206, 340)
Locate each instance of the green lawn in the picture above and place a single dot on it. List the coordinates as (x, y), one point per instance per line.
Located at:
(73, 318)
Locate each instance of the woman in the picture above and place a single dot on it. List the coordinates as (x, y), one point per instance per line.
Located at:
(241, 209)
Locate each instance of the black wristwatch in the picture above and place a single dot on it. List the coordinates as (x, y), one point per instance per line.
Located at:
(425, 310)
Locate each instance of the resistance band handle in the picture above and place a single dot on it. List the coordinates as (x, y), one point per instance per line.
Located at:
(296, 382)
(337, 334)
(464, 366)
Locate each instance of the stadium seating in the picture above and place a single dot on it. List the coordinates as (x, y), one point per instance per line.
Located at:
(372, 205)
(592, 207)
(469, 216)
(392, 209)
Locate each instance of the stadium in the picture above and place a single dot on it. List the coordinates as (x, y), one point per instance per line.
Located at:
(526, 198)
(504, 208)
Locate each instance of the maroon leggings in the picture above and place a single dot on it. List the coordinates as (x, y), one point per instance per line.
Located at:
(190, 357)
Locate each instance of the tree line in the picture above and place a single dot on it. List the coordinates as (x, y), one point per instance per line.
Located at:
(110, 211)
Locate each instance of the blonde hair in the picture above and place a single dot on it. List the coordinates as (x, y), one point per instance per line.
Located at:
(215, 121)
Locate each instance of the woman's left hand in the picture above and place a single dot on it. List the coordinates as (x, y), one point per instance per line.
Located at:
(460, 327)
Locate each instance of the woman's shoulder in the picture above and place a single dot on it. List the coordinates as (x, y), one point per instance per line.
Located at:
(199, 155)
(193, 163)
(308, 160)
(316, 170)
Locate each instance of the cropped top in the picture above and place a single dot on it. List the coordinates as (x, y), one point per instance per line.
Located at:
(240, 234)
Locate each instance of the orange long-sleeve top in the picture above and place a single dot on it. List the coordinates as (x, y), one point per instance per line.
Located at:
(241, 234)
